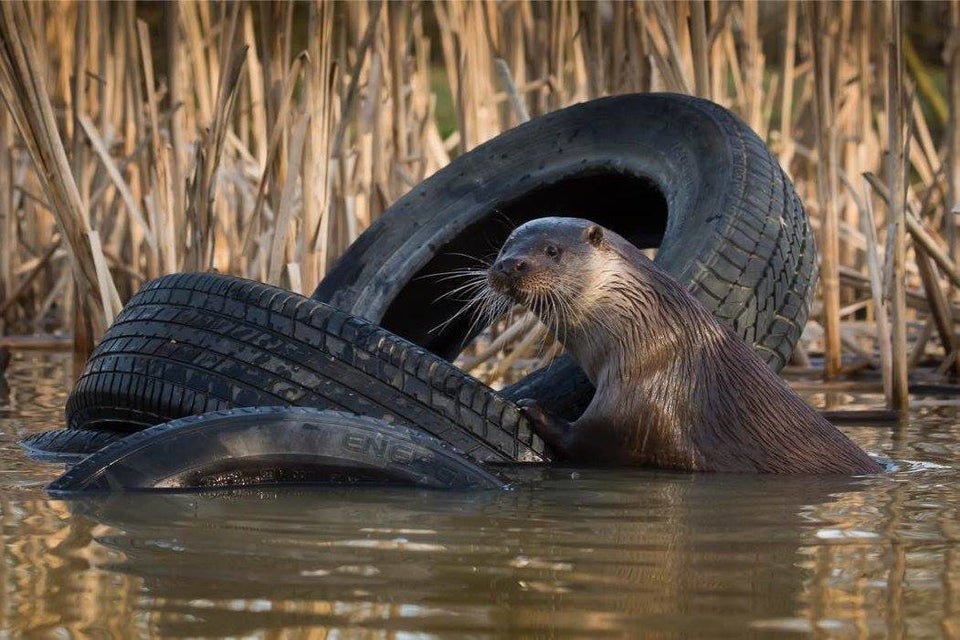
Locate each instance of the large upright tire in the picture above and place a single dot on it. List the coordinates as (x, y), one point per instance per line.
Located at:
(188, 344)
(663, 170)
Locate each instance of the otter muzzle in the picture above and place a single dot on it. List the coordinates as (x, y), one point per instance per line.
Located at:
(505, 274)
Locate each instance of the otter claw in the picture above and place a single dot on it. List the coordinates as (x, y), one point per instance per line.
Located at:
(532, 410)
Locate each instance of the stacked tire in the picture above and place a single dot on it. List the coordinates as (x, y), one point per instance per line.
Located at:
(668, 171)
(193, 343)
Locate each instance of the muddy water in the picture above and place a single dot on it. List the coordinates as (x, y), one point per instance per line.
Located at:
(589, 554)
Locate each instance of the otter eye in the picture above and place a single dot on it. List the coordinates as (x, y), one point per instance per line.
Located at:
(552, 251)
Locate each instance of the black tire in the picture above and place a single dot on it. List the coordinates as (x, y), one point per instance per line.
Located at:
(663, 170)
(266, 446)
(187, 344)
(68, 446)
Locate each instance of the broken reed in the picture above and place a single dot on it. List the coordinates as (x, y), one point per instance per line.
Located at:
(261, 138)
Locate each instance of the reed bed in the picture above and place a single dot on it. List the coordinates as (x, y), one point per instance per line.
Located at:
(261, 139)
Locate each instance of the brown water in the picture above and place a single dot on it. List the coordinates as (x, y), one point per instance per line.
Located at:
(588, 554)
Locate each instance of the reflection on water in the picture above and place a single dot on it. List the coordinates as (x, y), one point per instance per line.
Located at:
(588, 553)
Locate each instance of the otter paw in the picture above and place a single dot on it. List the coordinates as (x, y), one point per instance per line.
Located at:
(554, 431)
(533, 411)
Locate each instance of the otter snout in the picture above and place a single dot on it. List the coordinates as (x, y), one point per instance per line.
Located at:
(505, 273)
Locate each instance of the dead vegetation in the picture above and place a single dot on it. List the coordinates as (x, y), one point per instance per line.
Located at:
(260, 139)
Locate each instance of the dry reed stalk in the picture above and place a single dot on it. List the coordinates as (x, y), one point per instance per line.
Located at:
(100, 147)
(882, 317)
(700, 47)
(719, 11)
(923, 153)
(74, 91)
(160, 198)
(952, 60)
(851, 344)
(110, 299)
(873, 262)
(8, 222)
(855, 307)
(36, 343)
(939, 307)
(284, 215)
(423, 126)
(255, 95)
(528, 343)
(589, 38)
(767, 106)
(11, 298)
(735, 70)
(753, 64)
(179, 91)
(398, 180)
(920, 344)
(919, 232)
(896, 174)
(313, 248)
(280, 78)
(506, 78)
(521, 326)
(916, 299)
(466, 48)
(819, 18)
(355, 176)
(295, 277)
(23, 89)
(679, 16)
(846, 103)
(201, 66)
(199, 213)
(572, 21)
(253, 225)
(667, 49)
(352, 93)
(124, 103)
(924, 239)
(868, 148)
(615, 49)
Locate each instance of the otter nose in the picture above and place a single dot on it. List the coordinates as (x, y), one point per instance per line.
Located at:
(511, 267)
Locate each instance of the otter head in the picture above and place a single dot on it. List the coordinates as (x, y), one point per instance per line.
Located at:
(543, 264)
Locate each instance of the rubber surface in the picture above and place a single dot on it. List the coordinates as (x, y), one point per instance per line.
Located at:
(68, 446)
(663, 170)
(267, 446)
(188, 344)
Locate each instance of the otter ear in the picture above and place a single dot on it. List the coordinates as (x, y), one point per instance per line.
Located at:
(594, 234)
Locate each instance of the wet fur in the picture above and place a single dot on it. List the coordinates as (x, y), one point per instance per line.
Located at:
(676, 389)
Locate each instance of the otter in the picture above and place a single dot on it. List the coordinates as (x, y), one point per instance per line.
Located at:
(675, 388)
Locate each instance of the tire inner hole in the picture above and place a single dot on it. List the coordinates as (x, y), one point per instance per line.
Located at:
(631, 205)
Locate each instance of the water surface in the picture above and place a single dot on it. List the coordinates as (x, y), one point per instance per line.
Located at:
(567, 553)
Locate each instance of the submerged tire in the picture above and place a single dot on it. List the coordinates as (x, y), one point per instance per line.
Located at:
(267, 446)
(188, 344)
(663, 170)
(68, 446)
